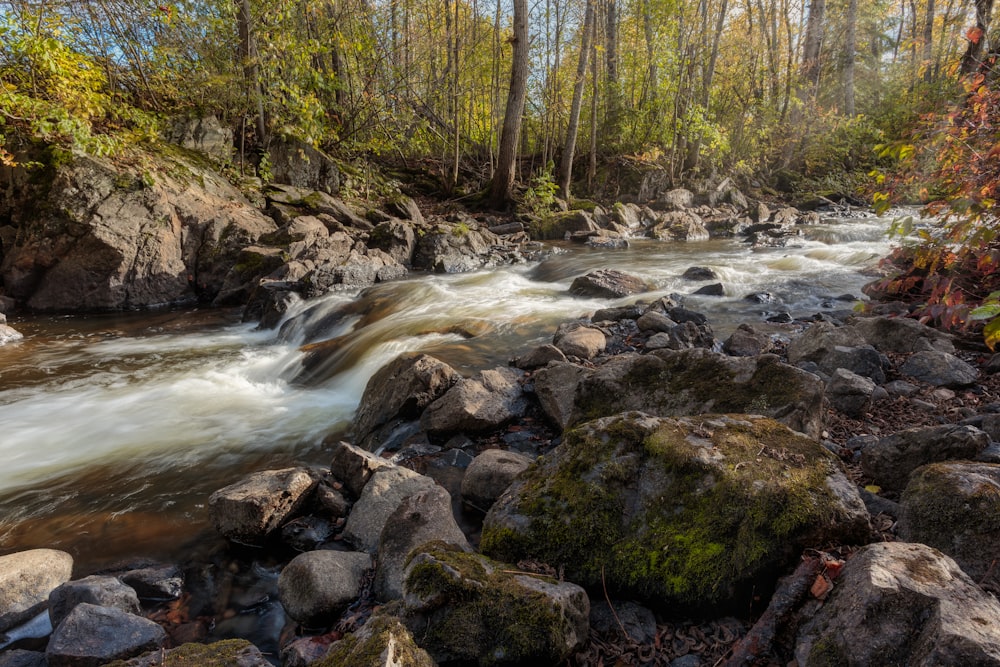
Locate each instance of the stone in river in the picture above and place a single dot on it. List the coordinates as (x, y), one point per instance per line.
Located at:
(608, 284)
(246, 512)
(91, 636)
(96, 589)
(26, 579)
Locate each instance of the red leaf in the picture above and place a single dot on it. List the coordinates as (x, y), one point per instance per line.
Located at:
(974, 34)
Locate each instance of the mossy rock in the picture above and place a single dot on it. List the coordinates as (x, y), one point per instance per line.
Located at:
(227, 653)
(555, 226)
(383, 640)
(467, 608)
(693, 511)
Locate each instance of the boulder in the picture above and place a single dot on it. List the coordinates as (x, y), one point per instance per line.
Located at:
(248, 511)
(902, 334)
(156, 582)
(556, 226)
(699, 273)
(381, 642)
(459, 247)
(384, 492)
(890, 460)
(898, 603)
(400, 391)
(297, 163)
(608, 284)
(653, 321)
(580, 341)
(677, 199)
(746, 341)
(955, 507)
(849, 392)
(484, 402)
(205, 134)
(683, 336)
(91, 636)
(353, 466)
(9, 334)
(26, 579)
(360, 268)
(228, 652)
(99, 590)
(939, 369)
(405, 208)
(489, 475)
(679, 226)
(316, 586)
(687, 511)
(539, 356)
(626, 215)
(396, 238)
(424, 517)
(819, 339)
(555, 387)
(468, 608)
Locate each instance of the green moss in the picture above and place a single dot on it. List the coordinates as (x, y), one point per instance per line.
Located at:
(220, 654)
(826, 653)
(716, 524)
(368, 646)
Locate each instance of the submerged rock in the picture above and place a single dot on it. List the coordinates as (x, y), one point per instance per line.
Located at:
(26, 579)
(608, 284)
(690, 511)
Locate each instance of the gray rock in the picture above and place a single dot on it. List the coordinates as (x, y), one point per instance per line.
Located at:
(891, 459)
(158, 582)
(406, 208)
(746, 341)
(677, 199)
(849, 392)
(700, 273)
(556, 386)
(489, 475)
(898, 603)
(608, 284)
(487, 401)
(618, 313)
(626, 215)
(654, 321)
(384, 492)
(668, 509)
(863, 360)
(580, 341)
(558, 225)
(819, 339)
(684, 336)
(421, 518)
(354, 466)
(303, 651)
(715, 289)
(955, 507)
(638, 622)
(330, 502)
(400, 391)
(539, 357)
(939, 369)
(396, 238)
(297, 163)
(22, 658)
(902, 334)
(456, 248)
(246, 512)
(382, 642)
(679, 226)
(26, 579)
(205, 134)
(901, 388)
(91, 636)
(316, 586)
(465, 606)
(99, 590)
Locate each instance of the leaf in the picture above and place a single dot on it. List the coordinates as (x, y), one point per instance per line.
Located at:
(873, 488)
(987, 311)
(991, 333)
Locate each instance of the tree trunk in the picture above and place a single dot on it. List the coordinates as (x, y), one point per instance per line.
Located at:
(503, 179)
(813, 42)
(850, 48)
(251, 69)
(566, 163)
(927, 52)
(972, 58)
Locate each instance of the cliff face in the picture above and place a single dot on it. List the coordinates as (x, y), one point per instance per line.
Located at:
(92, 234)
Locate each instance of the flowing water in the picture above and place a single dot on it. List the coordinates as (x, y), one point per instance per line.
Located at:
(114, 430)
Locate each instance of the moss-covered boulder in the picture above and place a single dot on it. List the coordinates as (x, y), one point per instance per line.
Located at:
(693, 510)
(467, 608)
(557, 225)
(382, 641)
(955, 507)
(227, 653)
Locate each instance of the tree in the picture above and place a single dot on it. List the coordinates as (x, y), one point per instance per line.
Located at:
(569, 148)
(503, 178)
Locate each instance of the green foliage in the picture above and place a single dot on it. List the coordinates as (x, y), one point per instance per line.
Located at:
(541, 196)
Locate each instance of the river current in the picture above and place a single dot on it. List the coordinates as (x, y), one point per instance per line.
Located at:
(115, 429)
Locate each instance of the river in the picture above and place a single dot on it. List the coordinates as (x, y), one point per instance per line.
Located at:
(115, 429)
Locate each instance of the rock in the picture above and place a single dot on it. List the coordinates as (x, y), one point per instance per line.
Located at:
(9, 334)
(91, 636)
(580, 341)
(405, 207)
(939, 369)
(307, 533)
(555, 226)
(891, 459)
(864, 361)
(305, 651)
(246, 512)
(359, 268)
(98, 590)
(354, 466)
(539, 356)
(396, 238)
(902, 334)
(228, 652)
(747, 342)
(297, 163)
(683, 315)
(695, 381)
(384, 492)
(715, 289)
(22, 658)
(465, 607)
(608, 284)
(381, 642)
(626, 215)
(26, 579)
(158, 582)
(638, 622)
(955, 507)
(206, 135)
(421, 518)
(700, 273)
(400, 391)
(487, 401)
(619, 313)
(819, 339)
(675, 200)
(489, 475)
(456, 248)
(654, 321)
(679, 226)
(901, 388)
(897, 603)
(687, 511)
(683, 336)
(556, 386)
(850, 393)
(316, 586)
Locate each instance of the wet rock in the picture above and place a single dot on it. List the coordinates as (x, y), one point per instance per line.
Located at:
(465, 607)
(26, 579)
(608, 284)
(306, 533)
(421, 518)
(98, 590)
(638, 622)
(849, 392)
(9, 334)
(384, 492)
(670, 510)
(157, 582)
(316, 586)
(654, 321)
(246, 512)
(354, 466)
(903, 334)
(682, 315)
(228, 652)
(746, 341)
(539, 357)
(91, 636)
(400, 391)
(580, 341)
(898, 603)
(489, 475)
(760, 297)
(939, 369)
(700, 273)
(716, 289)
(382, 642)
(955, 507)
(891, 459)
(487, 401)
(618, 313)
(683, 336)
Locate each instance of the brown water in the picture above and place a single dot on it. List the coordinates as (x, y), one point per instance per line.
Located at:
(114, 430)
